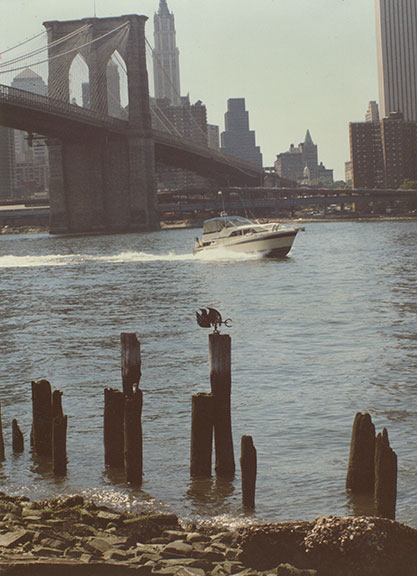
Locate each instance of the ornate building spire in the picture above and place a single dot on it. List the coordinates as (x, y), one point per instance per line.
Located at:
(163, 7)
(166, 56)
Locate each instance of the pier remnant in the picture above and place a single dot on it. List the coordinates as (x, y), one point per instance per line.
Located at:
(59, 445)
(18, 444)
(42, 418)
(2, 453)
(361, 468)
(221, 382)
(248, 466)
(201, 434)
(113, 428)
(133, 438)
(131, 362)
(386, 468)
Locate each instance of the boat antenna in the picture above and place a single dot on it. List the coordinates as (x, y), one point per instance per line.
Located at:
(95, 13)
(224, 213)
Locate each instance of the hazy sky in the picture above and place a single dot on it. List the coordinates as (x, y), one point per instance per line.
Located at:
(298, 63)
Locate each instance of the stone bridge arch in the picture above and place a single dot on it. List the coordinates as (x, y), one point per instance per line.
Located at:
(103, 182)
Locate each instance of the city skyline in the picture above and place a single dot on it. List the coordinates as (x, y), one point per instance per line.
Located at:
(298, 67)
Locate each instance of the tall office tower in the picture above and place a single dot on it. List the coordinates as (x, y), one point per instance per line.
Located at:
(396, 27)
(213, 136)
(237, 140)
(166, 65)
(372, 114)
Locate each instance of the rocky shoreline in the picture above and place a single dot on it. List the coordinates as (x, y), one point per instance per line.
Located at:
(70, 536)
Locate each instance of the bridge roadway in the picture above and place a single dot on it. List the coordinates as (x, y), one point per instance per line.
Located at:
(53, 118)
(273, 201)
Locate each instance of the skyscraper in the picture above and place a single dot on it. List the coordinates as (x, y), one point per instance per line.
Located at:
(166, 56)
(237, 140)
(396, 27)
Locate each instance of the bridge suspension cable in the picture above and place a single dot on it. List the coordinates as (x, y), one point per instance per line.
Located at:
(75, 49)
(22, 43)
(44, 48)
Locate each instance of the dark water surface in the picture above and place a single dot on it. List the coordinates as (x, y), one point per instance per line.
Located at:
(316, 337)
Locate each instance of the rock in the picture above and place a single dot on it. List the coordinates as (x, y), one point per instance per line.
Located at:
(178, 548)
(357, 546)
(98, 545)
(197, 537)
(12, 539)
(288, 570)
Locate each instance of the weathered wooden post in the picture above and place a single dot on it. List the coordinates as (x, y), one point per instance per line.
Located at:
(42, 418)
(133, 438)
(18, 444)
(2, 453)
(221, 383)
(361, 468)
(386, 468)
(201, 434)
(59, 445)
(57, 404)
(113, 428)
(59, 435)
(131, 362)
(248, 470)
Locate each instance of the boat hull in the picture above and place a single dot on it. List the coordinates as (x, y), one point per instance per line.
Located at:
(270, 245)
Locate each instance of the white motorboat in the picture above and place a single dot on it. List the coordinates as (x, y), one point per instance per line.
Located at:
(242, 235)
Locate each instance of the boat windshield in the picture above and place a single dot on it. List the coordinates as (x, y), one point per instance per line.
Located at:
(238, 221)
(217, 224)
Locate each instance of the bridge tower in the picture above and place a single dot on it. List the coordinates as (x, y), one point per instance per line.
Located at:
(102, 182)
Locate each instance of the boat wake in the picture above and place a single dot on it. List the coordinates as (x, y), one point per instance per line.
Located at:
(50, 260)
(34, 261)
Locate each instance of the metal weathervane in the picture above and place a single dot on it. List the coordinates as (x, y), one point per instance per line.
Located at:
(208, 317)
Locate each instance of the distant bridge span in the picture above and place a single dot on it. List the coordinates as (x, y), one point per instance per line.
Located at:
(54, 118)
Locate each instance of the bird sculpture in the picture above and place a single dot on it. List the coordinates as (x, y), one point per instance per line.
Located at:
(208, 317)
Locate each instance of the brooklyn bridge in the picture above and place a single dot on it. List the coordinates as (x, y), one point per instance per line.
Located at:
(103, 168)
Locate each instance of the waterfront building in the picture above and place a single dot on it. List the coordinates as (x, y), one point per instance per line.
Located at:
(383, 154)
(396, 27)
(301, 163)
(7, 163)
(31, 162)
(237, 139)
(166, 67)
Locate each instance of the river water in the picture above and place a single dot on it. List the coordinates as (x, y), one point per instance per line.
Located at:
(316, 337)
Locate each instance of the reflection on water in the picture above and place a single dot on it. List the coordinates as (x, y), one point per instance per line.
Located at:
(316, 337)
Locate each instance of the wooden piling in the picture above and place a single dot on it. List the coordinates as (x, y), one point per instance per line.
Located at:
(113, 428)
(57, 404)
(18, 444)
(133, 438)
(131, 362)
(386, 469)
(2, 453)
(42, 418)
(221, 382)
(59, 445)
(248, 471)
(201, 435)
(361, 468)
